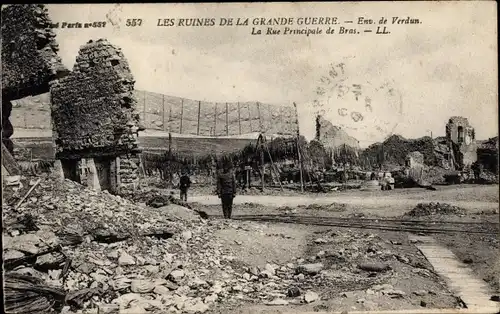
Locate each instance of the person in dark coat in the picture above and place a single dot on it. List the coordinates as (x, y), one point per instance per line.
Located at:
(226, 190)
(184, 185)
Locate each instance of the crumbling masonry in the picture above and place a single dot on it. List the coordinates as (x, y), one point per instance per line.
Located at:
(462, 137)
(95, 123)
(29, 58)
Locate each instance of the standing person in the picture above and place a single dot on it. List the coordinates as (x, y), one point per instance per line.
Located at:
(184, 184)
(226, 189)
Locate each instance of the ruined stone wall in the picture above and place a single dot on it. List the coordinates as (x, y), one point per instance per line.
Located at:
(332, 136)
(415, 159)
(462, 134)
(128, 173)
(29, 51)
(94, 108)
(453, 126)
(468, 154)
(29, 57)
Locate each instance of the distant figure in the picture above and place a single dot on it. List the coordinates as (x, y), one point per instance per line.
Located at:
(184, 185)
(226, 190)
(373, 176)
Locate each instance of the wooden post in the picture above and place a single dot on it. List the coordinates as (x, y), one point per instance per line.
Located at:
(227, 120)
(170, 177)
(281, 129)
(118, 176)
(182, 113)
(274, 167)
(345, 160)
(169, 118)
(199, 110)
(270, 116)
(250, 117)
(9, 162)
(298, 149)
(144, 109)
(300, 166)
(248, 177)
(215, 120)
(239, 118)
(262, 163)
(163, 110)
(260, 118)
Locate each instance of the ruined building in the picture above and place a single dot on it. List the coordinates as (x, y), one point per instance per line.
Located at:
(95, 123)
(414, 159)
(332, 136)
(461, 136)
(29, 58)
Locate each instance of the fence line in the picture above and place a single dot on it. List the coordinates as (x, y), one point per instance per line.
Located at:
(186, 117)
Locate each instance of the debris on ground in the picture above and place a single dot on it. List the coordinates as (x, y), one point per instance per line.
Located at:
(101, 253)
(428, 209)
(337, 207)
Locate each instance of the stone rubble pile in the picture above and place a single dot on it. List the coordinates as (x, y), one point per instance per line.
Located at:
(428, 209)
(110, 255)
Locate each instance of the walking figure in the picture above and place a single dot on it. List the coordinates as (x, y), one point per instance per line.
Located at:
(184, 184)
(226, 190)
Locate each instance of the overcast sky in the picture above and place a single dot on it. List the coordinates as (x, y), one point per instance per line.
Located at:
(443, 67)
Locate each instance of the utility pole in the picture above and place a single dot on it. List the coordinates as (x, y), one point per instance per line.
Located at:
(182, 113)
(199, 110)
(227, 120)
(298, 149)
(163, 110)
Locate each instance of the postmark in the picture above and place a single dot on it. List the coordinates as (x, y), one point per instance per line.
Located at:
(370, 109)
(113, 16)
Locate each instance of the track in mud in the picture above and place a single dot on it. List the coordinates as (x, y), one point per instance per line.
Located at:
(402, 225)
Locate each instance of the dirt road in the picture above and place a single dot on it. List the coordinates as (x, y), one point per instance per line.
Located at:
(375, 202)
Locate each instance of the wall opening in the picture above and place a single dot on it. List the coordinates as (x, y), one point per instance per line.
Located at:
(103, 167)
(70, 169)
(460, 134)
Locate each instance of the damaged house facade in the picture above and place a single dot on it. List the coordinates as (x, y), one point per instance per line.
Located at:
(95, 123)
(462, 137)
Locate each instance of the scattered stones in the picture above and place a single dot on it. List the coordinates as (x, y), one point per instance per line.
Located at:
(109, 309)
(320, 241)
(161, 290)
(12, 254)
(309, 269)
(125, 259)
(310, 297)
(293, 292)
(375, 267)
(195, 306)
(187, 235)
(277, 301)
(142, 286)
(394, 293)
(176, 275)
(420, 293)
(270, 269)
(211, 298)
(382, 287)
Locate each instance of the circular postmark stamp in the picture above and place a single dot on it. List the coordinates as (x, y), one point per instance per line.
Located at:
(369, 109)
